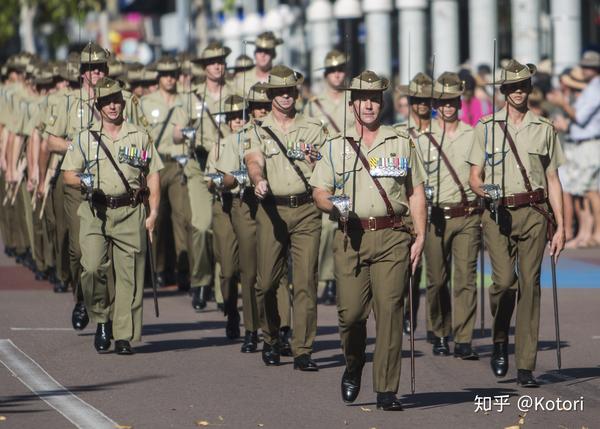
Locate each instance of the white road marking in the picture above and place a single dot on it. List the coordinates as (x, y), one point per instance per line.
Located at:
(32, 375)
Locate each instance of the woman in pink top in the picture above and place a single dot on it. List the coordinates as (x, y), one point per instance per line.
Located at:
(472, 108)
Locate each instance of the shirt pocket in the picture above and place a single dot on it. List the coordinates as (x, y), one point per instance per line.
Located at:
(271, 148)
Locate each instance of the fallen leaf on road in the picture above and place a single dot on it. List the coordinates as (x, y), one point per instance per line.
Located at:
(366, 410)
(123, 427)
(202, 423)
(221, 418)
(345, 422)
(513, 427)
(260, 425)
(2, 418)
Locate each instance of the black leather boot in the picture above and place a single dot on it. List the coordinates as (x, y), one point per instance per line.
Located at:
(499, 361)
(79, 317)
(199, 298)
(250, 342)
(440, 346)
(350, 385)
(102, 337)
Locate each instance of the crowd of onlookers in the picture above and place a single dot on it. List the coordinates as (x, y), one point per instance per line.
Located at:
(572, 101)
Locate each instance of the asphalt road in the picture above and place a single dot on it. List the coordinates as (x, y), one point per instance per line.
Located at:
(185, 374)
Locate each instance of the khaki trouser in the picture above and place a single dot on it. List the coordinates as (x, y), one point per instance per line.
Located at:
(56, 203)
(452, 243)
(516, 244)
(201, 219)
(72, 200)
(280, 228)
(174, 203)
(372, 272)
(328, 229)
(124, 229)
(244, 224)
(225, 244)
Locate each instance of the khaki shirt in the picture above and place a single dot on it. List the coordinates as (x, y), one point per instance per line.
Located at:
(282, 178)
(155, 110)
(232, 153)
(536, 143)
(133, 112)
(335, 110)
(333, 174)
(244, 80)
(456, 149)
(85, 148)
(13, 120)
(49, 115)
(72, 114)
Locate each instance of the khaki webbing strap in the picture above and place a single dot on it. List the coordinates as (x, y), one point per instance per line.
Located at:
(210, 116)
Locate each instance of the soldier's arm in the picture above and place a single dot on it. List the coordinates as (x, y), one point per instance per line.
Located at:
(43, 160)
(255, 163)
(555, 197)
(476, 159)
(33, 155)
(3, 138)
(153, 183)
(57, 144)
(476, 180)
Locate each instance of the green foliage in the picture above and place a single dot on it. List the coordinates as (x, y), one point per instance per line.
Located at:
(53, 12)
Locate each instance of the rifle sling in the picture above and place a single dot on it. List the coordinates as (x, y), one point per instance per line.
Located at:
(451, 170)
(292, 163)
(384, 196)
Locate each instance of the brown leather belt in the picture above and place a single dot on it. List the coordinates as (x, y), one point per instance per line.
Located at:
(458, 210)
(374, 223)
(521, 200)
(117, 201)
(292, 201)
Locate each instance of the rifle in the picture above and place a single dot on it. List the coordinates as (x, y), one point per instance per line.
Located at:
(52, 173)
(149, 253)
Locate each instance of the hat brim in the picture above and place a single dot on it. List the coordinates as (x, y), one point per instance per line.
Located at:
(385, 86)
(204, 60)
(446, 95)
(299, 81)
(404, 90)
(532, 71)
(571, 83)
(589, 65)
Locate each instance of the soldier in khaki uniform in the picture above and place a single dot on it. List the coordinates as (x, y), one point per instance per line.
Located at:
(419, 94)
(264, 54)
(202, 103)
(374, 251)
(61, 127)
(520, 163)
(330, 108)
(114, 163)
(225, 242)
(453, 230)
(165, 113)
(50, 186)
(286, 216)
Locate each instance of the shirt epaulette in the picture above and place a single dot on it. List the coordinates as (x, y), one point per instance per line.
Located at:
(546, 121)
(486, 119)
(401, 131)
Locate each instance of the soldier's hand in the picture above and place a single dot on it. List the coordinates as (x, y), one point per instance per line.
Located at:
(261, 189)
(3, 164)
(40, 189)
(415, 252)
(557, 244)
(150, 222)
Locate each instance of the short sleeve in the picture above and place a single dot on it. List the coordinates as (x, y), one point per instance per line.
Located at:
(156, 163)
(73, 160)
(323, 176)
(557, 156)
(417, 170)
(477, 153)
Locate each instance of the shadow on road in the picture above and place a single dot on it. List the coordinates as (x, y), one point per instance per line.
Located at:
(486, 350)
(8, 402)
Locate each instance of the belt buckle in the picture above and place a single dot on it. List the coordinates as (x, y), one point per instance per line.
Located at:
(510, 201)
(112, 202)
(372, 222)
(293, 201)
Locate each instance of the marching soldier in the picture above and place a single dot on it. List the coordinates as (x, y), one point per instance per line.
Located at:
(331, 109)
(282, 151)
(264, 54)
(202, 103)
(373, 171)
(453, 231)
(514, 162)
(419, 93)
(74, 113)
(114, 164)
(225, 242)
(243, 217)
(164, 110)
